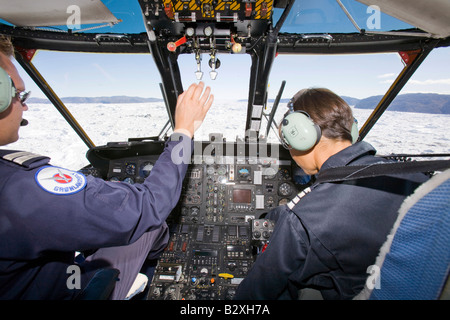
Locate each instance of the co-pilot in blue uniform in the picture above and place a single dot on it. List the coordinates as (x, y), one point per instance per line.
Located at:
(47, 213)
(329, 238)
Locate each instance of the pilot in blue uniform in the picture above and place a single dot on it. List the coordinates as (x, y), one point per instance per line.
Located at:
(329, 235)
(47, 213)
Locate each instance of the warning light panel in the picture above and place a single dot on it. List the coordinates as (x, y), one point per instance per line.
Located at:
(209, 10)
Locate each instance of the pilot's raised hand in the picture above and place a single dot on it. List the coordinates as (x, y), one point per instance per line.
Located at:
(192, 106)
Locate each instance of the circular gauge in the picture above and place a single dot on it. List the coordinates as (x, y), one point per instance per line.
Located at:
(207, 31)
(128, 180)
(130, 169)
(244, 173)
(194, 211)
(145, 169)
(114, 179)
(269, 173)
(190, 32)
(285, 189)
(285, 174)
(210, 170)
(222, 179)
(222, 170)
(195, 199)
(209, 160)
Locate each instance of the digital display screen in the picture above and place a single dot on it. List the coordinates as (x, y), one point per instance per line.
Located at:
(242, 195)
(235, 249)
(205, 253)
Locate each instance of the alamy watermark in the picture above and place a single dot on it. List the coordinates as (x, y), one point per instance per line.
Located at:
(74, 19)
(373, 281)
(216, 152)
(374, 20)
(74, 279)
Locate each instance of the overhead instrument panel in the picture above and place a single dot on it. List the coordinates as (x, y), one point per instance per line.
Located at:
(207, 10)
(206, 26)
(196, 20)
(217, 10)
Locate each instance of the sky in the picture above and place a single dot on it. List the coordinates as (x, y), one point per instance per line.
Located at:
(359, 76)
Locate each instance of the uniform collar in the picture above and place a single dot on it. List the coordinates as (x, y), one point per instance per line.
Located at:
(348, 155)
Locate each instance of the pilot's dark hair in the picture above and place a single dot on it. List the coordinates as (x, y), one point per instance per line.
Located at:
(329, 111)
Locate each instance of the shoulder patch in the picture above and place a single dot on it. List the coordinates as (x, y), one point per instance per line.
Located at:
(60, 181)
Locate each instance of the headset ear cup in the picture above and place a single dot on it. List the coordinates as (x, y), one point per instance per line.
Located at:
(355, 131)
(7, 90)
(299, 131)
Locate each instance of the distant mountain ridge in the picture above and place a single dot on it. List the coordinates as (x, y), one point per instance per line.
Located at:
(102, 100)
(409, 102)
(412, 102)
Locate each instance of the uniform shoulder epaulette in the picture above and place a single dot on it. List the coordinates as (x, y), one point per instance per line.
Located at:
(24, 158)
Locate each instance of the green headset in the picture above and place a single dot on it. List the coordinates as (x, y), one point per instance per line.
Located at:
(7, 90)
(299, 132)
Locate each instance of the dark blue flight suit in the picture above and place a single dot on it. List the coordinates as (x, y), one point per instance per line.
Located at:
(48, 213)
(329, 238)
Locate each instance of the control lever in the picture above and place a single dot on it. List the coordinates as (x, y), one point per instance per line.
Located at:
(214, 63)
(172, 46)
(198, 73)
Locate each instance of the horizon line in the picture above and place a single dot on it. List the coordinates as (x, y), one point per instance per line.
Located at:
(236, 99)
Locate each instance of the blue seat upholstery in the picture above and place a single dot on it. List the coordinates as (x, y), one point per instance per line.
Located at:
(414, 261)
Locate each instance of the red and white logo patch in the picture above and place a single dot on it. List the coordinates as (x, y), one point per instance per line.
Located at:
(60, 181)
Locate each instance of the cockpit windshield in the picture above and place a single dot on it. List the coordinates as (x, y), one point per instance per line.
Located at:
(306, 16)
(117, 97)
(331, 16)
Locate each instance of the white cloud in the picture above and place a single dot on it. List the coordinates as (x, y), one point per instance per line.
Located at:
(430, 81)
(386, 75)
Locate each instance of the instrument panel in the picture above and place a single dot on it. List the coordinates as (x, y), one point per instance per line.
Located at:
(219, 226)
(214, 10)
(205, 24)
(131, 170)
